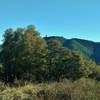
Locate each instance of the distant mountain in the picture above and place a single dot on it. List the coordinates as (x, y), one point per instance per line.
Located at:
(88, 48)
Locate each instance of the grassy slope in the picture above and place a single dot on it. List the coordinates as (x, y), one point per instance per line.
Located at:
(83, 89)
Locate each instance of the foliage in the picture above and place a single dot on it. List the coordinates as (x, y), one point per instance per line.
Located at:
(26, 56)
(61, 73)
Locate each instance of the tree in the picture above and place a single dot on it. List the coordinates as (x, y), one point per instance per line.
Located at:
(63, 63)
(6, 54)
(24, 54)
(32, 60)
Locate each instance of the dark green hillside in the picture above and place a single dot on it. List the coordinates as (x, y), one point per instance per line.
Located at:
(88, 48)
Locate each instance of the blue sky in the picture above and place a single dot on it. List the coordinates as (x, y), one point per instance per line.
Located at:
(68, 18)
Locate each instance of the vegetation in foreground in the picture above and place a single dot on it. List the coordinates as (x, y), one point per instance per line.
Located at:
(83, 89)
(26, 57)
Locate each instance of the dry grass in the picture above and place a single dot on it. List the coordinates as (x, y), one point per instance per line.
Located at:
(83, 89)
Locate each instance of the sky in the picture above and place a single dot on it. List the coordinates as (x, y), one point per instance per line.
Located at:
(67, 18)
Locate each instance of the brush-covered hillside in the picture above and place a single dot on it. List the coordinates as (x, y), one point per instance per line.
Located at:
(88, 48)
(36, 68)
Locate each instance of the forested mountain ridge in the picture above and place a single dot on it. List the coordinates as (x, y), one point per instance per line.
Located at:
(88, 48)
(27, 59)
(27, 56)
